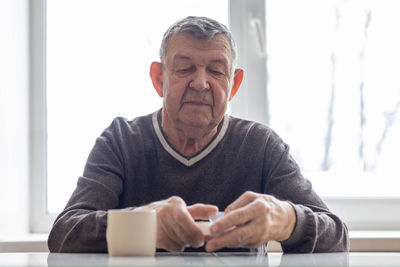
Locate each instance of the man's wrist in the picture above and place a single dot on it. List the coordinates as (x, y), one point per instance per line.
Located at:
(290, 220)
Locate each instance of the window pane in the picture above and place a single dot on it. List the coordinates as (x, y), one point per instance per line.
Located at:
(334, 90)
(98, 58)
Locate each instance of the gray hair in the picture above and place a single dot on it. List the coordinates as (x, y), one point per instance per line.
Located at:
(201, 28)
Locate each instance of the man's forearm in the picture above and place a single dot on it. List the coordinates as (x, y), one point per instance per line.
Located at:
(79, 231)
(317, 231)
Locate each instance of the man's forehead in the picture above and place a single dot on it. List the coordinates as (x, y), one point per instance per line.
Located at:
(187, 58)
(181, 46)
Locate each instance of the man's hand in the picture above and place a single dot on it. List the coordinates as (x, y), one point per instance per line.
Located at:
(175, 223)
(251, 221)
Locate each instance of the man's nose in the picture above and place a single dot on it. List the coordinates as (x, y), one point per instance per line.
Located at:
(200, 81)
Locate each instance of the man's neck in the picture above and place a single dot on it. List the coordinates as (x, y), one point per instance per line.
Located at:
(187, 141)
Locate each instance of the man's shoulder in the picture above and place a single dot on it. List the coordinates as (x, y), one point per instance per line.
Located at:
(242, 128)
(243, 125)
(140, 121)
(122, 127)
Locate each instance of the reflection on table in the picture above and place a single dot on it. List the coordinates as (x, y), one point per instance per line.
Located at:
(202, 259)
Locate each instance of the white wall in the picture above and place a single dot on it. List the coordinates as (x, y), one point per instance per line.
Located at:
(14, 132)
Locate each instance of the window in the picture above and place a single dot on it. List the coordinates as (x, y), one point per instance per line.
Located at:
(321, 73)
(340, 108)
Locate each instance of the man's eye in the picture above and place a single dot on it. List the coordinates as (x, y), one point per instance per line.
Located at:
(216, 72)
(186, 70)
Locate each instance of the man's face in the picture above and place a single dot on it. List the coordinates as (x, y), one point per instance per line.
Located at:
(197, 80)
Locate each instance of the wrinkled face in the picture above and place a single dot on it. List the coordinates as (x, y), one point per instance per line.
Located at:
(197, 80)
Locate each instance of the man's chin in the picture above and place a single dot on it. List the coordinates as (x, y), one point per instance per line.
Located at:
(197, 122)
(196, 118)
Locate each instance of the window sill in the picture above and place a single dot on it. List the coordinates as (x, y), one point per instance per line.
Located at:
(24, 243)
(375, 241)
(360, 241)
(363, 241)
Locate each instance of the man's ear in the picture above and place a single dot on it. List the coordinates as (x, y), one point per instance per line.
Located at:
(156, 77)
(237, 81)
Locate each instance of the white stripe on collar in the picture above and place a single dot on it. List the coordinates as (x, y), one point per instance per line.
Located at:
(189, 162)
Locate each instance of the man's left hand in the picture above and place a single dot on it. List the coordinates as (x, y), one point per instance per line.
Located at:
(251, 221)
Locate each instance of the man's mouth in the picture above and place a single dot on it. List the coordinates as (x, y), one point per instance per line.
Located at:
(198, 103)
(198, 99)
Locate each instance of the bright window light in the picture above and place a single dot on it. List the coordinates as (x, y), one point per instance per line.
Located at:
(334, 91)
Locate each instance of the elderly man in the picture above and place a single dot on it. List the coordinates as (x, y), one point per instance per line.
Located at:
(188, 160)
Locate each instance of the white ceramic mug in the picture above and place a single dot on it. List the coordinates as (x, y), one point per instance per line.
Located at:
(131, 232)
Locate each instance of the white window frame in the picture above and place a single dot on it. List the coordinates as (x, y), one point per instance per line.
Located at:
(247, 21)
(40, 221)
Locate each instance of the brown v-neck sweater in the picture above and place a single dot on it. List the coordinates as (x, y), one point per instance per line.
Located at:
(132, 164)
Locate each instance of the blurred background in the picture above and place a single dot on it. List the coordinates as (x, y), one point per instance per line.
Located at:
(324, 74)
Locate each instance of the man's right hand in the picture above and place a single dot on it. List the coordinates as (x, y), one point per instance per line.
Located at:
(175, 223)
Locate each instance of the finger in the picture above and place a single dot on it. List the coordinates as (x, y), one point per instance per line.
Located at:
(171, 245)
(186, 229)
(172, 215)
(202, 211)
(237, 217)
(169, 240)
(241, 201)
(238, 237)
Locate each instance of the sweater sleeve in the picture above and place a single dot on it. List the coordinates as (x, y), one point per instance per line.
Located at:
(81, 226)
(317, 229)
